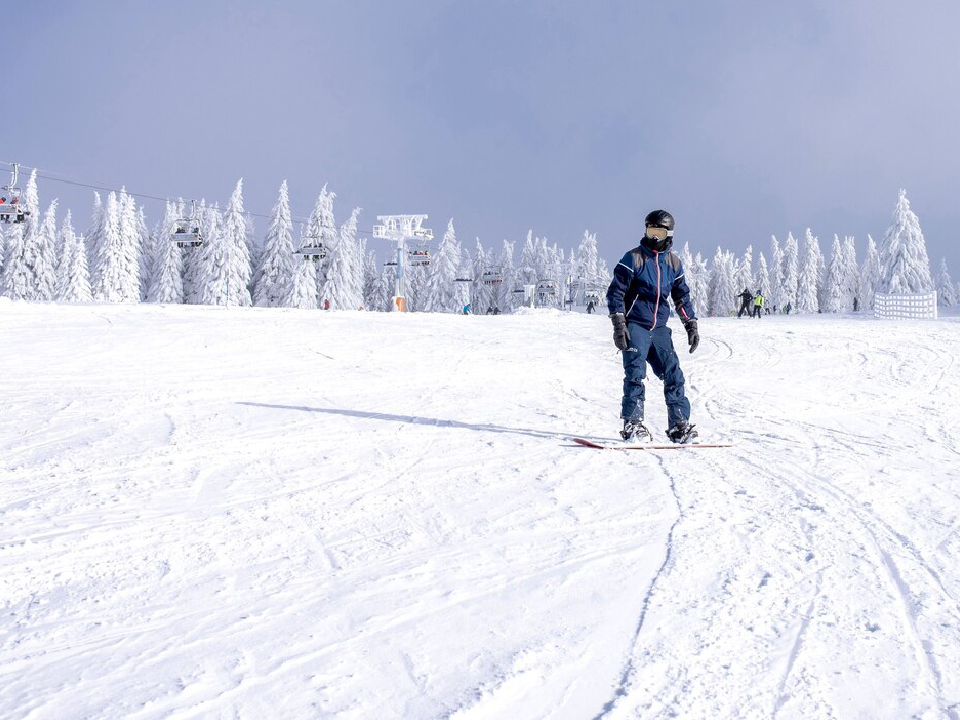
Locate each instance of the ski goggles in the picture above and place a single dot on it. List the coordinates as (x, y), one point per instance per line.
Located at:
(657, 233)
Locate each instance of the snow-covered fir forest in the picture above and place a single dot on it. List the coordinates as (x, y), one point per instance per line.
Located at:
(119, 258)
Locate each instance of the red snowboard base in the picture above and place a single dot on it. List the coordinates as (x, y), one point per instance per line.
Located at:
(648, 446)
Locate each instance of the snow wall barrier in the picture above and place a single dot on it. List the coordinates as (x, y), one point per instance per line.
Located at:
(906, 306)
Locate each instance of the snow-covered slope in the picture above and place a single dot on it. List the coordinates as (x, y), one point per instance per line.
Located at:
(277, 513)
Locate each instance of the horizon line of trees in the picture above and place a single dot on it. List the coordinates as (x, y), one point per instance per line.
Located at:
(801, 276)
(118, 260)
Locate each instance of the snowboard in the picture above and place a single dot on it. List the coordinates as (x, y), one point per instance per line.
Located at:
(613, 445)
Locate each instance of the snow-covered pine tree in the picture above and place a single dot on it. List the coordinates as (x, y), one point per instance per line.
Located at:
(67, 242)
(166, 285)
(869, 276)
(791, 272)
(16, 282)
(946, 292)
(108, 282)
(371, 276)
(76, 287)
(322, 225)
(775, 269)
(744, 272)
(131, 246)
(441, 292)
(386, 287)
(834, 298)
(254, 251)
(808, 284)
(302, 290)
(722, 291)
(851, 273)
(904, 265)
(696, 281)
(193, 256)
(604, 276)
(227, 262)
(701, 300)
(41, 255)
(277, 260)
(481, 293)
(762, 279)
(526, 271)
(343, 285)
(30, 201)
(586, 265)
(145, 253)
(94, 235)
(503, 296)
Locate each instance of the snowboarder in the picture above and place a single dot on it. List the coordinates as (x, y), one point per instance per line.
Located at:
(746, 297)
(757, 305)
(643, 282)
(466, 309)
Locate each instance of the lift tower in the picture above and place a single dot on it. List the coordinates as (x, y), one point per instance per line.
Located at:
(399, 229)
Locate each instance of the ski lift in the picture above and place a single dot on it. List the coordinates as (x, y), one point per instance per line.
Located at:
(390, 263)
(463, 280)
(311, 248)
(419, 258)
(593, 293)
(546, 287)
(11, 211)
(492, 276)
(186, 230)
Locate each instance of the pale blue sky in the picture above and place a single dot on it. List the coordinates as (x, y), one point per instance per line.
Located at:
(742, 118)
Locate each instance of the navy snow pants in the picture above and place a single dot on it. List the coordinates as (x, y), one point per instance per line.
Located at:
(656, 347)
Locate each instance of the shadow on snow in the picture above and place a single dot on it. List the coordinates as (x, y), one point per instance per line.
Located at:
(430, 422)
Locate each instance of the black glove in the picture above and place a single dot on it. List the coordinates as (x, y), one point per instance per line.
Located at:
(693, 337)
(621, 338)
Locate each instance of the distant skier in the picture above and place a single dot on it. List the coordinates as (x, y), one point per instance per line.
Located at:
(757, 305)
(787, 308)
(638, 301)
(590, 306)
(746, 297)
(466, 309)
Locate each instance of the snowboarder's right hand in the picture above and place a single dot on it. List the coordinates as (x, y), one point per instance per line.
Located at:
(621, 338)
(693, 337)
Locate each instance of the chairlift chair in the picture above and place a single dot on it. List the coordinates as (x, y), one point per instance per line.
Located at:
(419, 258)
(11, 211)
(186, 233)
(546, 287)
(492, 276)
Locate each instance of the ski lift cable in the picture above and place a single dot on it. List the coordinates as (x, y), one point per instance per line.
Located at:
(57, 177)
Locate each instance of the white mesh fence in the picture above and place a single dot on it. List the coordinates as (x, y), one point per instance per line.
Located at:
(906, 306)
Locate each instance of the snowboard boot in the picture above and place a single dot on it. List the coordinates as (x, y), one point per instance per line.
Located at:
(682, 432)
(634, 431)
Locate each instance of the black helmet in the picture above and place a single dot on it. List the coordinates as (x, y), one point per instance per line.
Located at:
(660, 218)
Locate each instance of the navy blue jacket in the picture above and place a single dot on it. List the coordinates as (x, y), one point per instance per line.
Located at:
(643, 282)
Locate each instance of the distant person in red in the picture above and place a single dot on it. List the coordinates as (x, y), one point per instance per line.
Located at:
(326, 304)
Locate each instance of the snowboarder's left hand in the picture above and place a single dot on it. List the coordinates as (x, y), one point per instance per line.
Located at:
(693, 337)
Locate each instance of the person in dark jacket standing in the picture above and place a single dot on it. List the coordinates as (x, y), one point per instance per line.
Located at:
(644, 281)
(746, 297)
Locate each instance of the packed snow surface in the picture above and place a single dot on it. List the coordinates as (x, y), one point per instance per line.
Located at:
(280, 513)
